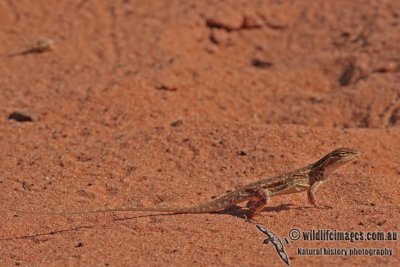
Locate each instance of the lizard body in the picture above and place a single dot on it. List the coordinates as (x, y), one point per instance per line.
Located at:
(257, 194)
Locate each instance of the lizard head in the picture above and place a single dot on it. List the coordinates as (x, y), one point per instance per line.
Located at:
(342, 155)
(337, 158)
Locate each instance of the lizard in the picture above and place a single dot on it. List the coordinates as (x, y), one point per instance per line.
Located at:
(258, 193)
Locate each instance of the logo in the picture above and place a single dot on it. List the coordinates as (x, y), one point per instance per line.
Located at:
(277, 242)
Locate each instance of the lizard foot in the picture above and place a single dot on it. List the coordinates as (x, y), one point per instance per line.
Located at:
(253, 218)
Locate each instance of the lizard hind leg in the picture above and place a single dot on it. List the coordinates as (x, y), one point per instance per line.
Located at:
(250, 203)
(255, 206)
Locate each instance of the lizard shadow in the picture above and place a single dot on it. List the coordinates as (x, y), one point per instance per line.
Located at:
(240, 212)
(278, 208)
(235, 211)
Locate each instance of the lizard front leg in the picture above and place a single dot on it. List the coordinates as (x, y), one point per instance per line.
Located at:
(311, 193)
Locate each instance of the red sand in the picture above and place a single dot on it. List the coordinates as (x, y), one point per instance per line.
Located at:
(176, 102)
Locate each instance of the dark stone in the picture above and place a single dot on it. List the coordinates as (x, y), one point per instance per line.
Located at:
(261, 64)
(17, 116)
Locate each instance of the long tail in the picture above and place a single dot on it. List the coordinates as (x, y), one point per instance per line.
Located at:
(177, 210)
(153, 209)
(217, 204)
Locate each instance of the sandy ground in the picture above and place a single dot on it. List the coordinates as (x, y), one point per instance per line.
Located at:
(144, 103)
